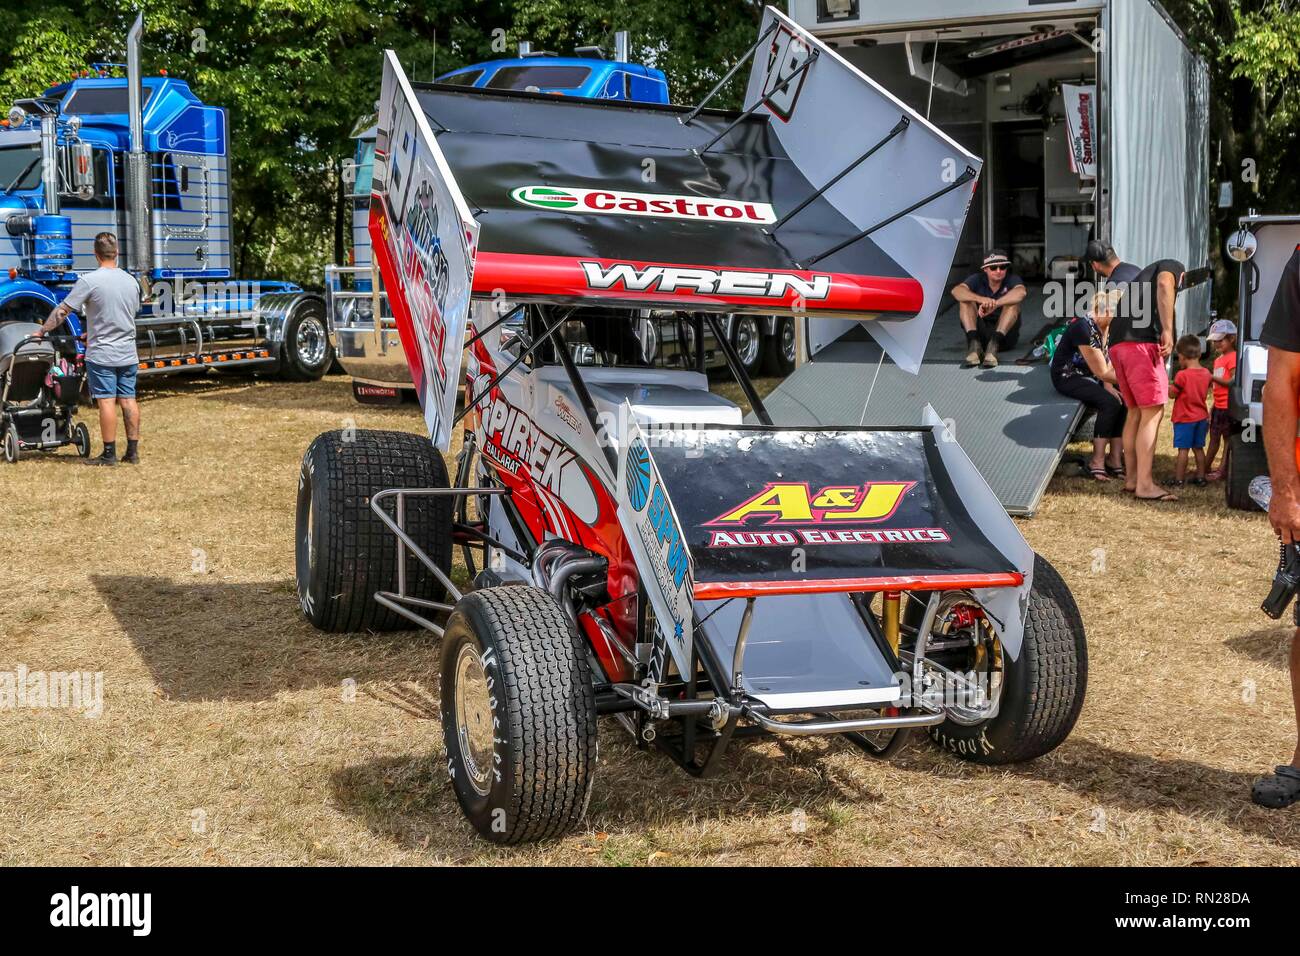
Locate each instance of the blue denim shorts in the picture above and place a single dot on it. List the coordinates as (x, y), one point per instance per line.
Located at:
(111, 381)
(1191, 434)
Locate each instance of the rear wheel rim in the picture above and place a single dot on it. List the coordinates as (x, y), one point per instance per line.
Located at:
(747, 341)
(473, 715)
(310, 341)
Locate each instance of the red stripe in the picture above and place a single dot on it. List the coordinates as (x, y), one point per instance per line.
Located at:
(909, 582)
(563, 277)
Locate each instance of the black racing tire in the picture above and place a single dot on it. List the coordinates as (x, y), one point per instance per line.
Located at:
(1043, 688)
(12, 446)
(518, 714)
(81, 439)
(306, 353)
(780, 347)
(1245, 462)
(343, 552)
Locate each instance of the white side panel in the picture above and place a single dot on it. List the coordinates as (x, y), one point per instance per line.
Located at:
(1159, 103)
(809, 119)
(892, 14)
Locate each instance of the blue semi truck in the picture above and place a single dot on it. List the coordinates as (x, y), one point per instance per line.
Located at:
(370, 350)
(143, 157)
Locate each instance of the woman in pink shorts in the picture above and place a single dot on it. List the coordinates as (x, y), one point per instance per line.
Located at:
(1141, 339)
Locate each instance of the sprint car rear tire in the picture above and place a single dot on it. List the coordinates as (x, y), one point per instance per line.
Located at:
(1043, 688)
(1246, 461)
(344, 553)
(518, 714)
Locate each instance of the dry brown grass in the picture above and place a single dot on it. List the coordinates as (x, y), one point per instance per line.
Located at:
(219, 698)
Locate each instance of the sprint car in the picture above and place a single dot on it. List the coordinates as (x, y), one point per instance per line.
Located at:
(635, 545)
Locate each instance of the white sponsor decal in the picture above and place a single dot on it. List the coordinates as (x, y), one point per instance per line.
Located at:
(1081, 122)
(733, 282)
(656, 205)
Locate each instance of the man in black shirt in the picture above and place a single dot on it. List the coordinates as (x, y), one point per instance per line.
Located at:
(1106, 263)
(1282, 444)
(993, 294)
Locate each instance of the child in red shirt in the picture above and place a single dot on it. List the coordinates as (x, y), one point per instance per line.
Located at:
(1191, 420)
(1223, 337)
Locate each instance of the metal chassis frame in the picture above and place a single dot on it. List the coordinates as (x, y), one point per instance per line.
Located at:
(730, 705)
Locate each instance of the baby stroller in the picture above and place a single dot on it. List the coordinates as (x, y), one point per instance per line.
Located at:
(40, 381)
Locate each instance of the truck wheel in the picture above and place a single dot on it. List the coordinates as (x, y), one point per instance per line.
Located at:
(1042, 689)
(1246, 461)
(518, 714)
(747, 339)
(344, 553)
(781, 347)
(306, 353)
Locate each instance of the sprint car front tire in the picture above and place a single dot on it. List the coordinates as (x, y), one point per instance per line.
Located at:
(1043, 688)
(518, 714)
(344, 553)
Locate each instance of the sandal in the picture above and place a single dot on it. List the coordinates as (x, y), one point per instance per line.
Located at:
(1115, 472)
(1099, 474)
(1278, 790)
(1167, 496)
(1198, 482)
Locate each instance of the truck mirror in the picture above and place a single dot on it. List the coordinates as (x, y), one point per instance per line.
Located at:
(79, 169)
(1241, 245)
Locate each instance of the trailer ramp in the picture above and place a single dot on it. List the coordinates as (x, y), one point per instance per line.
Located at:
(1010, 421)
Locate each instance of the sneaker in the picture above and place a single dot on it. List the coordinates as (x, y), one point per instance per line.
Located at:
(991, 357)
(103, 459)
(972, 357)
(131, 458)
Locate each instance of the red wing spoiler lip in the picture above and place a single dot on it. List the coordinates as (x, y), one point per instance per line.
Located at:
(675, 284)
(709, 590)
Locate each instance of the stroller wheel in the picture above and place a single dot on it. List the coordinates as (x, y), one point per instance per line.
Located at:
(11, 445)
(81, 439)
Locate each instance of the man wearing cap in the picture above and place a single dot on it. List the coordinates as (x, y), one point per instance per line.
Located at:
(1141, 339)
(1282, 445)
(991, 296)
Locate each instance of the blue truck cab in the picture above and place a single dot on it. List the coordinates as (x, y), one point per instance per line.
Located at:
(144, 158)
(370, 351)
(567, 76)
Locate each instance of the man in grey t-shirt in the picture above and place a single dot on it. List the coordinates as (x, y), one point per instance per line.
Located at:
(109, 298)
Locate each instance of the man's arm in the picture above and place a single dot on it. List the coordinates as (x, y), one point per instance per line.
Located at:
(1280, 419)
(1014, 296)
(1166, 295)
(56, 318)
(962, 293)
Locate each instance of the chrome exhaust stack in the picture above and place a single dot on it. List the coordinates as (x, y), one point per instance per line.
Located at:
(139, 184)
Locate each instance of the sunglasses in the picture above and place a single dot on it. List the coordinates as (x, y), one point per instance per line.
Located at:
(997, 268)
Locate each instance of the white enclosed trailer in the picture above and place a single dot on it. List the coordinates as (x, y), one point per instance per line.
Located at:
(1005, 79)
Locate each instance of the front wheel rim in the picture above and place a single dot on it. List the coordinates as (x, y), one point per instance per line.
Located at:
(310, 341)
(787, 341)
(473, 715)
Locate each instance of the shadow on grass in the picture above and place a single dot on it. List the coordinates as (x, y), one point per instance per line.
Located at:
(409, 800)
(220, 641)
(1270, 645)
(1138, 782)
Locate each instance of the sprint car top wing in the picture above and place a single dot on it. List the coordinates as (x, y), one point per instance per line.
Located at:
(825, 196)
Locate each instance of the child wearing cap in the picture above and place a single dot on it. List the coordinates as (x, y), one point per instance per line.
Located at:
(1191, 419)
(1223, 337)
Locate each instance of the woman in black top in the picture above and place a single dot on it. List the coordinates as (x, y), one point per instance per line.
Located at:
(1082, 370)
